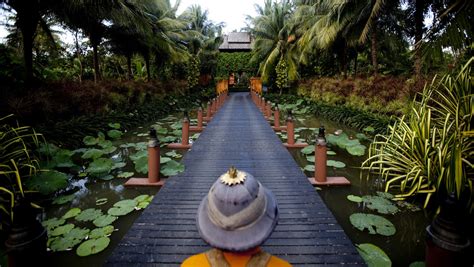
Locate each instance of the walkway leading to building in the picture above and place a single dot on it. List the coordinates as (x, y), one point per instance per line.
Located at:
(307, 233)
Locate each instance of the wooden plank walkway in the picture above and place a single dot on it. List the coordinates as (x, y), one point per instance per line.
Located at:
(307, 233)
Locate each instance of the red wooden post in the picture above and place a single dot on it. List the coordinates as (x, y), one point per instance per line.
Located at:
(290, 132)
(184, 135)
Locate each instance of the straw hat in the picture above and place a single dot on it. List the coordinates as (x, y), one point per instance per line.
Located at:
(238, 213)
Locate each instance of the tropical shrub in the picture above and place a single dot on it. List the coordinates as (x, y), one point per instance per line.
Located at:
(235, 62)
(430, 149)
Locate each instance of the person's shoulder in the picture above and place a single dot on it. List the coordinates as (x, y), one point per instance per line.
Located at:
(277, 262)
(198, 260)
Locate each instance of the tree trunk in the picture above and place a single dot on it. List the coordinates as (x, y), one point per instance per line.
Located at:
(129, 67)
(373, 49)
(344, 61)
(418, 36)
(28, 21)
(78, 55)
(147, 66)
(96, 63)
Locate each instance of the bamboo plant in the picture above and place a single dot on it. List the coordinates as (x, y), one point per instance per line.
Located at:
(431, 149)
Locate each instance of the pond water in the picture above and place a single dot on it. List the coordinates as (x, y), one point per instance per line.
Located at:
(406, 246)
(403, 248)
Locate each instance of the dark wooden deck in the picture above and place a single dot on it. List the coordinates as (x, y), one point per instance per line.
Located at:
(307, 233)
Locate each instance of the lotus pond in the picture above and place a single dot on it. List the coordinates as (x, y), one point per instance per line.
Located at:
(367, 214)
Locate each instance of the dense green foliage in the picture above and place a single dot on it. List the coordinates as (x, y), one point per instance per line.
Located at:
(234, 63)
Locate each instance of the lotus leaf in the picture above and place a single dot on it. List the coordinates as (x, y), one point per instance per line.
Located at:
(105, 143)
(92, 246)
(172, 168)
(143, 205)
(53, 223)
(335, 164)
(88, 215)
(195, 136)
(161, 131)
(109, 150)
(176, 133)
(114, 134)
(408, 206)
(122, 207)
(100, 136)
(62, 159)
(125, 175)
(106, 177)
(119, 165)
(114, 125)
(362, 136)
(173, 154)
(417, 264)
(64, 199)
(100, 232)
(373, 255)
(72, 213)
(104, 220)
(177, 125)
(141, 146)
(164, 160)
(308, 150)
(141, 165)
(142, 198)
(90, 140)
(80, 150)
(374, 223)
(310, 158)
(77, 233)
(101, 201)
(380, 204)
(356, 150)
(309, 168)
(60, 230)
(48, 182)
(385, 195)
(138, 155)
(353, 198)
(330, 153)
(100, 166)
(48, 149)
(63, 243)
(93, 153)
(369, 129)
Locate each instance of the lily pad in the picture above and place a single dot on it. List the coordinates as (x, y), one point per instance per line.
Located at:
(101, 201)
(161, 130)
(53, 223)
(385, 195)
(104, 220)
(353, 198)
(100, 166)
(168, 139)
(114, 134)
(105, 143)
(106, 177)
(374, 223)
(109, 150)
(119, 165)
(125, 174)
(101, 232)
(373, 255)
(122, 207)
(335, 164)
(164, 160)
(48, 182)
(62, 159)
(88, 215)
(138, 155)
(72, 213)
(60, 230)
(63, 243)
(330, 153)
(380, 204)
(172, 168)
(369, 129)
(362, 136)
(92, 153)
(90, 140)
(308, 150)
(114, 125)
(173, 154)
(141, 165)
(64, 199)
(142, 198)
(309, 168)
(417, 264)
(356, 150)
(310, 158)
(92, 246)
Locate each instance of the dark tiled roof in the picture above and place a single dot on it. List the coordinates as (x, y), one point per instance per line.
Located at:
(236, 41)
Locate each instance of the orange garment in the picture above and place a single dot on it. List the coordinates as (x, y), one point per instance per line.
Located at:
(234, 259)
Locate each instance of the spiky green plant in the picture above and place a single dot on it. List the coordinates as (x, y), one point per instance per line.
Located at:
(431, 149)
(16, 164)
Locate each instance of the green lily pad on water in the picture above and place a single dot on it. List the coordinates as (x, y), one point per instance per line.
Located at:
(308, 150)
(122, 207)
(92, 246)
(369, 129)
(88, 215)
(380, 204)
(142, 198)
(172, 168)
(64, 199)
(373, 255)
(310, 158)
(101, 232)
(195, 136)
(309, 168)
(114, 134)
(63, 243)
(417, 264)
(90, 140)
(114, 125)
(106, 177)
(177, 133)
(374, 223)
(100, 166)
(109, 150)
(168, 139)
(92, 153)
(356, 150)
(62, 159)
(53, 223)
(164, 160)
(330, 153)
(176, 126)
(125, 174)
(72, 213)
(61, 230)
(105, 143)
(335, 164)
(138, 155)
(385, 195)
(104, 220)
(173, 154)
(119, 165)
(141, 165)
(353, 198)
(161, 131)
(362, 136)
(47, 182)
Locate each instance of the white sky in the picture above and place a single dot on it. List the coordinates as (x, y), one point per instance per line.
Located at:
(232, 12)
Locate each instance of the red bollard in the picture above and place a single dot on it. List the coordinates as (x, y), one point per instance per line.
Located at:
(320, 172)
(208, 116)
(153, 165)
(268, 110)
(262, 105)
(290, 132)
(199, 126)
(213, 107)
(276, 120)
(184, 135)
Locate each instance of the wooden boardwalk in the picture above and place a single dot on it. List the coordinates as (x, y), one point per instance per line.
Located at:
(307, 233)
